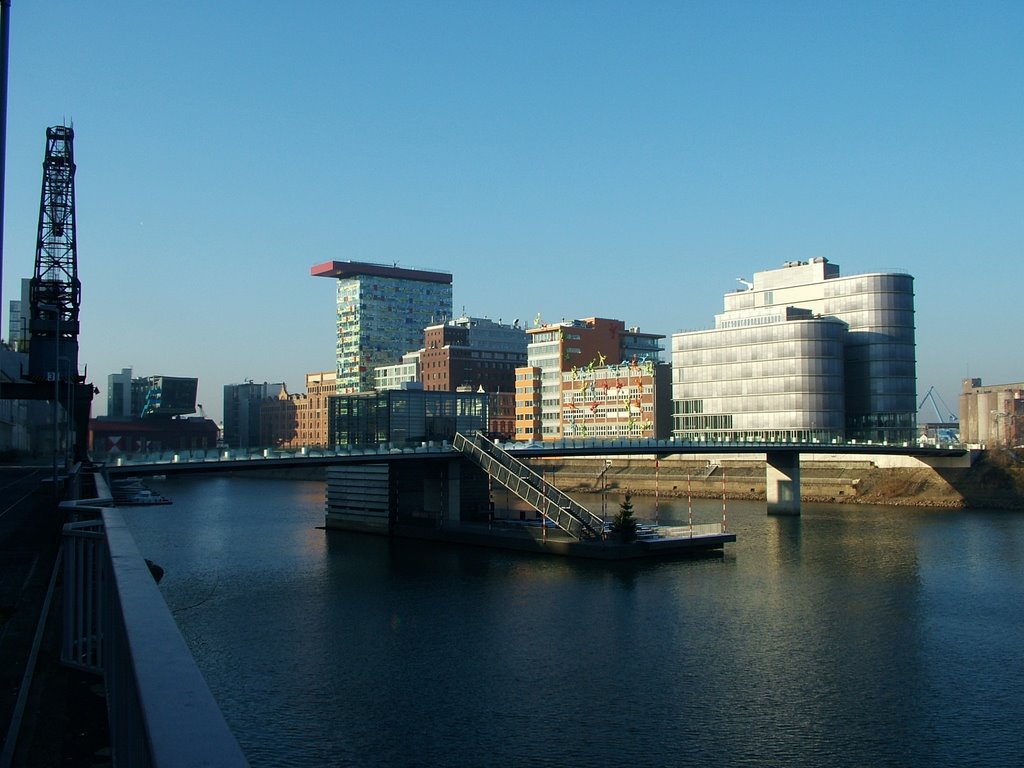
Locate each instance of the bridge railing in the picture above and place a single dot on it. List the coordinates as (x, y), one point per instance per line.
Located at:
(227, 455)
(569, 445)
(116, 622)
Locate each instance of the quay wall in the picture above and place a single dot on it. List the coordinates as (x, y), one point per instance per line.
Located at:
(977, 480)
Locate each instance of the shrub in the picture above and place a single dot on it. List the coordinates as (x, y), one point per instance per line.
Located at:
(624, 524)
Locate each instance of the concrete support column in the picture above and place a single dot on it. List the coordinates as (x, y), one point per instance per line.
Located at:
(453, 504)
(782, 482)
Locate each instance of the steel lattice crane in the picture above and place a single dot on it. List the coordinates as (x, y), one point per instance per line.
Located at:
(55, 293)
(54, 299)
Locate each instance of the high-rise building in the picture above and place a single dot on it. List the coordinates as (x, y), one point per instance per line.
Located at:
(571, 347)
(381, 313)
(802, 354)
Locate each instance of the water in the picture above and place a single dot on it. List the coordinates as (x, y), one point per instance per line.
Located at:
(850, 636)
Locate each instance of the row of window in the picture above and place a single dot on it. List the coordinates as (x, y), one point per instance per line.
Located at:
(806, 349)
(758, 336)
(793, 403)
(770, 377)
(757, 436)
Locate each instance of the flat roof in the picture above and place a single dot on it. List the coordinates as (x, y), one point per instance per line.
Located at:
(341, 269)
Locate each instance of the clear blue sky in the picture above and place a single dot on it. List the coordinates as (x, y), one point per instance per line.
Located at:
(566, 159)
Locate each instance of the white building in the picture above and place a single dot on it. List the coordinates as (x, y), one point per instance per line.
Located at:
(802, 353)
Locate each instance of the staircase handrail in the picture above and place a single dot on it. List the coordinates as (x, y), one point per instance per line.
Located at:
(551, 502)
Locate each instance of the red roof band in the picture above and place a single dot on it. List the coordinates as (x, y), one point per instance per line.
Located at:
(341, 269)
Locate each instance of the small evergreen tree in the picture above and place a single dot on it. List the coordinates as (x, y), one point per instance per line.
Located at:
(624, 524)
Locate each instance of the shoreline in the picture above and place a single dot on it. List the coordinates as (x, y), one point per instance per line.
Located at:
(991, 482)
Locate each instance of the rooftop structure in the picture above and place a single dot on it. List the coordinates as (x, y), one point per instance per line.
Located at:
(400, 375)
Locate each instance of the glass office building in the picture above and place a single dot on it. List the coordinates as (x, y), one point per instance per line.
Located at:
(802, 353)
(403, 418)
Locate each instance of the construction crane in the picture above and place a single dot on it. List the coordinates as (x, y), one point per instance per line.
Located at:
(55, 292)
(54, 298)
(930, 397)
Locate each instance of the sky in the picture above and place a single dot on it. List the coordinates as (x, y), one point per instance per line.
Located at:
(563, 159)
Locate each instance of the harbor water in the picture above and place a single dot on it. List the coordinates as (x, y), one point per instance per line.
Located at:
(850, 636)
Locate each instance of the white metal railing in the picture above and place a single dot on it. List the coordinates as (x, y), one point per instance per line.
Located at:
(83, 549)
(691, 531)
(160, 710)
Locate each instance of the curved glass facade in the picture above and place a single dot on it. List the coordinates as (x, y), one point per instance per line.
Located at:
(881, 361)
(777, 383)
(802, 354)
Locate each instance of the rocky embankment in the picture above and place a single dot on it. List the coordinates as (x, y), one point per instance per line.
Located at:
(993, 481)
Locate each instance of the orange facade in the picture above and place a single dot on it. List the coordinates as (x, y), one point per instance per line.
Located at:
(586, 379)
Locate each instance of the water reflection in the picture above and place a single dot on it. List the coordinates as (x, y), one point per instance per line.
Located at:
(847, 636)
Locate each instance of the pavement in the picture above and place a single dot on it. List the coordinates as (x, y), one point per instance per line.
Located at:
(59, 718)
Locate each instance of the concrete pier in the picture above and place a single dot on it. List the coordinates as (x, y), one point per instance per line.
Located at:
(782, 478)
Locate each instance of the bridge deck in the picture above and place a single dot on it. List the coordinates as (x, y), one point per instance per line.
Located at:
(231, 460)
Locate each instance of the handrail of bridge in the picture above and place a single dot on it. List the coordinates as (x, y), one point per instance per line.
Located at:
(202, 456)
(160, 709)
(567, 513)
(575, 446)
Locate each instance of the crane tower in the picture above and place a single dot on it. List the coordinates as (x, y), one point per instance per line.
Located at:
(54, 291)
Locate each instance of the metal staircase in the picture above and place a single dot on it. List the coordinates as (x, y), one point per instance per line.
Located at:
(563, 511)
